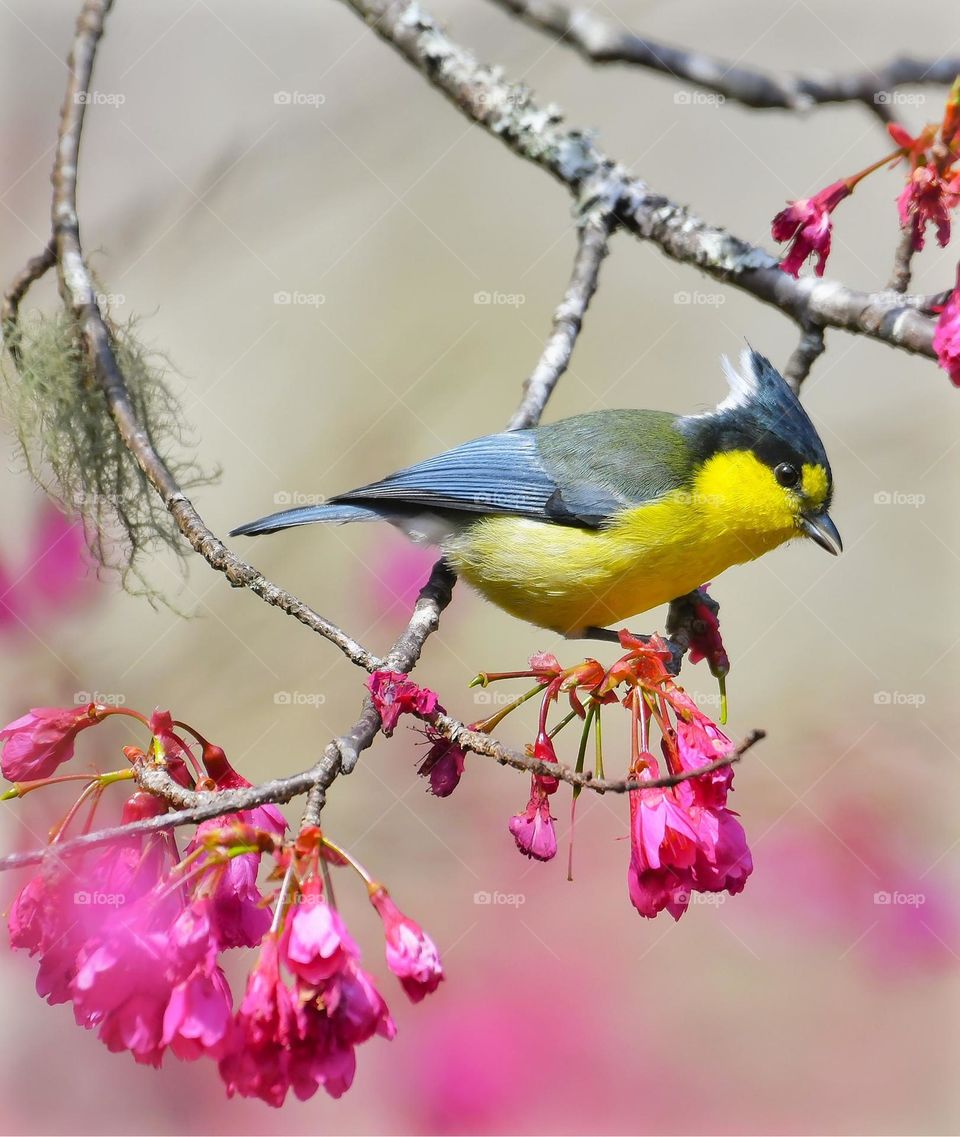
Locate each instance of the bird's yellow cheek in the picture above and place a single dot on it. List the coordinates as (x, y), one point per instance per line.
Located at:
(815, 485)
(737, 491)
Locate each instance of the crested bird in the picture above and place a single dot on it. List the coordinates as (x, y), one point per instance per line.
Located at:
(589, 521)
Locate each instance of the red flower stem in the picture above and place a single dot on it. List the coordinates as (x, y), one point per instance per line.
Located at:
(549, 694)
(328, 882)
(58, 832)
(94, 802)
(189, 729)
(371, 884)
(283, 897)
(179, 879)
(125, 711)
(854, 180)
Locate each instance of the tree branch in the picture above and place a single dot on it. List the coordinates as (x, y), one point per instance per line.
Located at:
(804, 355)
(507, 111)
(600, 198)
(204, 806)
(595, 229)
(76, 287)
(537, 389)
(479, 743)
(603, 41)
(902, 266)
(32, 271)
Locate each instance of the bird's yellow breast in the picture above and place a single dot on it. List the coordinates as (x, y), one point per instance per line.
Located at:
(567, 579)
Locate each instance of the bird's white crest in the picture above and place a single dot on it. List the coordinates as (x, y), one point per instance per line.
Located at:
(744, 384)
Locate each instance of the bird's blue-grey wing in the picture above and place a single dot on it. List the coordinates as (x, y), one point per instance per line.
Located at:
(500, 473)
(581, 472)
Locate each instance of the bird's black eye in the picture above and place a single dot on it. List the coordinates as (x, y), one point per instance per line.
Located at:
(787, 475)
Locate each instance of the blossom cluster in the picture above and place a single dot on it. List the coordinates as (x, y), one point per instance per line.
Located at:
(684, 838)
(930, 194)
(133, 934)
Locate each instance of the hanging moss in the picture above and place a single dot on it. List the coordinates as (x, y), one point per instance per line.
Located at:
(71, 446)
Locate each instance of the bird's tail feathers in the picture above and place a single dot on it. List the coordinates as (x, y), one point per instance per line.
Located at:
(306, 515)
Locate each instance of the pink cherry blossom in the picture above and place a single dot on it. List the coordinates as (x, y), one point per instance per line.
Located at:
(316, 944)
(225, 777)
(41, 740)
(256, 1063)
(45, 921)
(443, 766)
(926, 200)
(394, 694)
(731, 861)
(239, 911)
(533, 829)
(411, 954)
(699, 743)
(121, 989)
(656, 890)
(807, 225)
(663, 831)
(682, 841)
(62, 907)
(356, 1008)
(199, 1015)
(303, 1039)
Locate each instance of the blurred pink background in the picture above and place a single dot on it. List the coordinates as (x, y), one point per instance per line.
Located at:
(808, 1003)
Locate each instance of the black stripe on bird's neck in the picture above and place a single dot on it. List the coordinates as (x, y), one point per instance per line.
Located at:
(723, 431)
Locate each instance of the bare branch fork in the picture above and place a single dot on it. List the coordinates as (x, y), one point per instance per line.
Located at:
(537, 134)
(77, 289)
(607, 198)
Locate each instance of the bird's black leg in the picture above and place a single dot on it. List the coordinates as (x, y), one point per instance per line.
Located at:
(608, 635)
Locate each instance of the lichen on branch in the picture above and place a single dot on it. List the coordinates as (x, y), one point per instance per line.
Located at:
(70, 445)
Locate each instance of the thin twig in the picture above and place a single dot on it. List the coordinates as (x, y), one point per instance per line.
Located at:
(508, 112)
(602, 41)
(76, 287)
(804, 355)
(597, 220)
(403, 656)
(478, 743)
(206, 806)
(31, 272)
(591, 249)
(902, 267)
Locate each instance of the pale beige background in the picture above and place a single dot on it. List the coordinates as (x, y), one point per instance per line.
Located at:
(203, 198)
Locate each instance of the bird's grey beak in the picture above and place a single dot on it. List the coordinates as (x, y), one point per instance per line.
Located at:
(823, 531)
